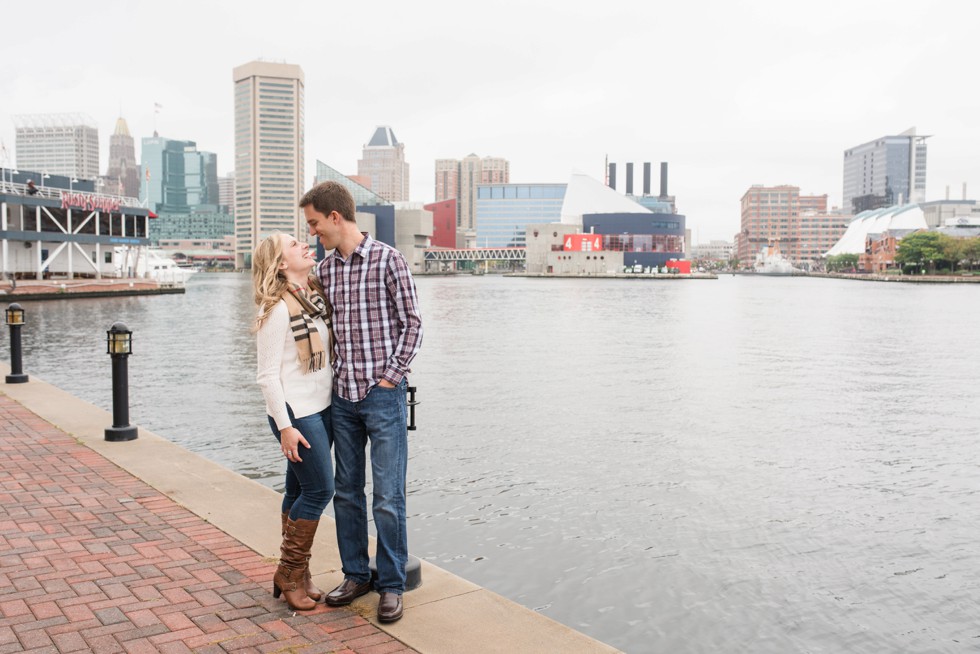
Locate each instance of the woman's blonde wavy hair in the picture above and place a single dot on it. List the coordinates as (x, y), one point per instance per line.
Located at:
(268, 282)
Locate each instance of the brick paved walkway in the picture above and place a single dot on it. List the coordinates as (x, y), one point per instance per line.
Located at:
(93, 559)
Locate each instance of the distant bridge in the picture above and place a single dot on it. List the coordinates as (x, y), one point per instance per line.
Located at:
(475, 254)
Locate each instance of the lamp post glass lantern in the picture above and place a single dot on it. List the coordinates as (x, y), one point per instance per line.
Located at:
(119, 345)
(15, 314)
(119, 340)
(15, 320)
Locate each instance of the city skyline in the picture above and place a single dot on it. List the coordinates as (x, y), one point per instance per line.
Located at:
(716, 90)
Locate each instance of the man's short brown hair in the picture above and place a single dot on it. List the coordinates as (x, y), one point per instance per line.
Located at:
(330, 196)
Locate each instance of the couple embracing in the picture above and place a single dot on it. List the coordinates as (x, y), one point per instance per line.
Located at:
(334, 343)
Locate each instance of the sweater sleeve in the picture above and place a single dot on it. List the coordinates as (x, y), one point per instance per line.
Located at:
(269, 343)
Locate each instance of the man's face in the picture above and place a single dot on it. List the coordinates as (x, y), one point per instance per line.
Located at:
(325, 228)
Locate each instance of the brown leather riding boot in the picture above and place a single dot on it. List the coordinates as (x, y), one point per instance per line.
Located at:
(312, 591)
(294, 553)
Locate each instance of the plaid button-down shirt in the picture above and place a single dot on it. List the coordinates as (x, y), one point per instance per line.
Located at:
(376, 322)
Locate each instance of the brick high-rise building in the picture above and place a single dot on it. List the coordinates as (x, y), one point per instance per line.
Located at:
(459, 178)
(799, 225)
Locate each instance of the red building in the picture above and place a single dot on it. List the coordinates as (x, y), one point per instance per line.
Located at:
(443, 223)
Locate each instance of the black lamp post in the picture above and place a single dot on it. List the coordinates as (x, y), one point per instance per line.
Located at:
(15, 320)
(119, 345)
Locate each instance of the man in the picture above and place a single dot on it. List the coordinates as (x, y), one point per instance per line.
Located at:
(377, 332)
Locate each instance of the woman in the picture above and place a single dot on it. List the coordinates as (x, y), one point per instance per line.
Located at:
(293, 342)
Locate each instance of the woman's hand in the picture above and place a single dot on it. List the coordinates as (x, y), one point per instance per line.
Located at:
(289, 439)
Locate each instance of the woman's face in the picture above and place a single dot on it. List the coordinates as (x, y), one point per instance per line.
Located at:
(296, 255)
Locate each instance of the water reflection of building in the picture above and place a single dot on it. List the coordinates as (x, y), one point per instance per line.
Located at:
(66, 229)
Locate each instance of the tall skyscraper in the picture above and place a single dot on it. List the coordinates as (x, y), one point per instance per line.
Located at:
(269, 154)
(123, 177)
(384, 164)
(459, 178)
(58, 144)
(887, 171)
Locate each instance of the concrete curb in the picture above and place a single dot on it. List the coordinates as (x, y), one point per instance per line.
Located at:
(447, 614)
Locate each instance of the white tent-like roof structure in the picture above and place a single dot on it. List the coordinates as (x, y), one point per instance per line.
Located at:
(586, 195)
(905, 217)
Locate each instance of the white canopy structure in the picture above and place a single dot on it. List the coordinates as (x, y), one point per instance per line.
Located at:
(905, 217)
(586, 195)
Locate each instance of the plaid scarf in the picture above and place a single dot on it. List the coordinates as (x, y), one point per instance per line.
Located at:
(303, 308)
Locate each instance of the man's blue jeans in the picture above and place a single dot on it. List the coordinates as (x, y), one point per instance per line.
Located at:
(309, 485)
(379, 419)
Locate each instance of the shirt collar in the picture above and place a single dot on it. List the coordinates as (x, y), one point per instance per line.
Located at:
(361, 250)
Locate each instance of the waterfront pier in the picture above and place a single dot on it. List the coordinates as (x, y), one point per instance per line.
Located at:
(143, 546)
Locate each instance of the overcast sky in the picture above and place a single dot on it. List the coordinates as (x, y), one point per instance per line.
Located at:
(729, 93)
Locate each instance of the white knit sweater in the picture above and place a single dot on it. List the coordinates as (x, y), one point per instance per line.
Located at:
(279, 373)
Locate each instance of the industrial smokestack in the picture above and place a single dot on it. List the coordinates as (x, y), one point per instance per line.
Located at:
(612, 176)
(663, 180)
(947, 191)
(646, 178)
(629, 179)
(964, 190)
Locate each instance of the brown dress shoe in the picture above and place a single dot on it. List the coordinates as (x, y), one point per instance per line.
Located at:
(390, 607)
(347, 592)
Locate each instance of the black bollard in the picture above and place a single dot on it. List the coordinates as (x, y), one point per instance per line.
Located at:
(119, 343)
(15, 320)
(413, 572)
(411, 408)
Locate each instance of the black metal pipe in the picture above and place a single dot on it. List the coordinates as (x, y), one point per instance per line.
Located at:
(411, 408)
(16, 375)
(612, 176)
(629, 179)
(646, 178)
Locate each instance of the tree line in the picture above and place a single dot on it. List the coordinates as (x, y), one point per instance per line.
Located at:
(930, 252)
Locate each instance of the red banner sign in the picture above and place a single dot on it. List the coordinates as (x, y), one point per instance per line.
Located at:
(89, 202)
(583, 242)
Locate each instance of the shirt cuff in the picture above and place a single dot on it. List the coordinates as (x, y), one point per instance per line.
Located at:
(393, 376)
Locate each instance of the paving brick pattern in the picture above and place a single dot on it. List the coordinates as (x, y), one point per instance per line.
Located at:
(94, 560)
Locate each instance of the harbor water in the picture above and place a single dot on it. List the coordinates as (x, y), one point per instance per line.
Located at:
(751, 464)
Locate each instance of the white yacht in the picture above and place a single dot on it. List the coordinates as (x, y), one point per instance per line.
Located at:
(151, 263)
